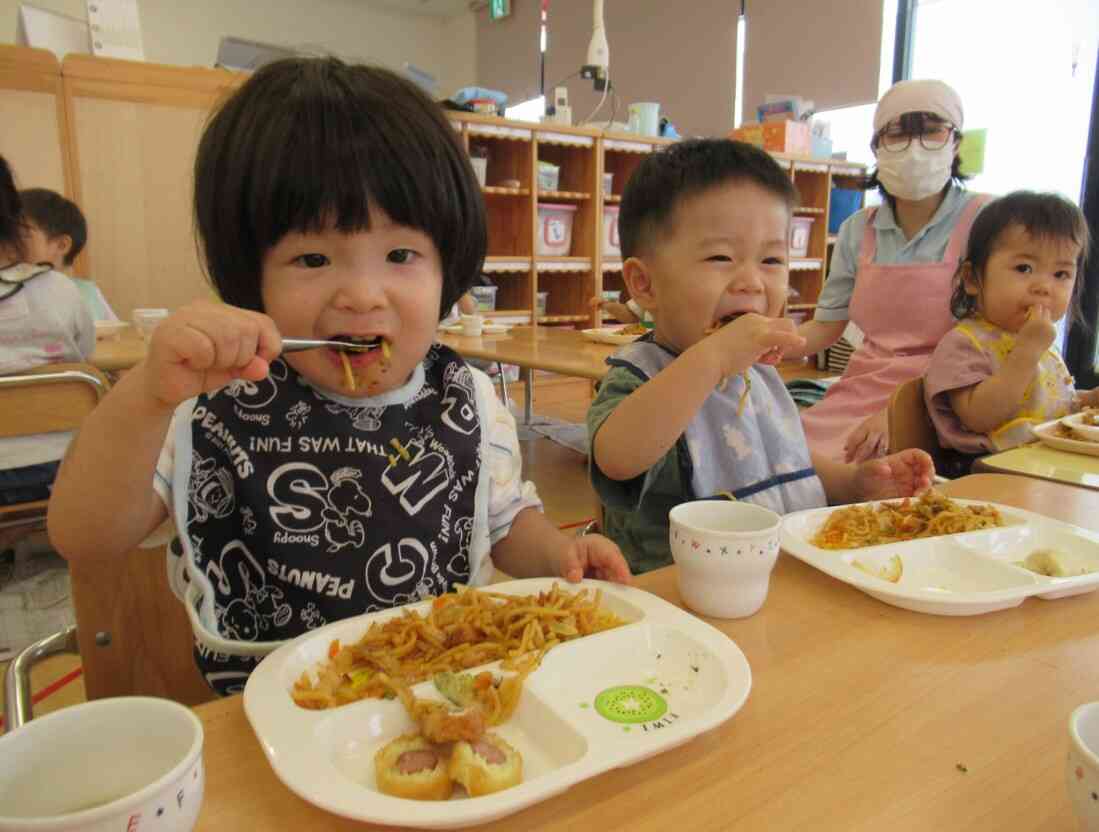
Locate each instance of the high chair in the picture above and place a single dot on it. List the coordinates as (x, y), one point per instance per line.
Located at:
(910, 424)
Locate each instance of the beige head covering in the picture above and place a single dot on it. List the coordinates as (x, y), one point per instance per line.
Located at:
(919, 97)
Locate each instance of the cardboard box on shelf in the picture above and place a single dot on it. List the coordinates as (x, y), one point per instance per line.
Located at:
(776, 136)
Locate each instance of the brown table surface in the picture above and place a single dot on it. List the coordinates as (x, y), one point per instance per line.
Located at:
(557, 350)
(861, 717)
(1038, 460)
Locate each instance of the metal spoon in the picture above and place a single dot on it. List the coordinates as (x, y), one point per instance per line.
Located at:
(299, 344)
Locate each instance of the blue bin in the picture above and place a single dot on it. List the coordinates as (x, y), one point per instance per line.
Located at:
(843, 203)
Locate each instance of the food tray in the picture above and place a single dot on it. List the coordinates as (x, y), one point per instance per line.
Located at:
(486, 329)
(958, 574)
(1047, 433)
(327, 757)
(608, 335)
(1076, 422)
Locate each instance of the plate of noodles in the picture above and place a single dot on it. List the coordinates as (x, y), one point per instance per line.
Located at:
(937, 555)
(1066, 435)
(466, 708)
(616, 335)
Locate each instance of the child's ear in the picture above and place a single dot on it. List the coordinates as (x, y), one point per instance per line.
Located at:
(638, 279)
(969, 279)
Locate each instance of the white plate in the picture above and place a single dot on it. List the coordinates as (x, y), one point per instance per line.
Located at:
(1076, 422)
(487, 329)
(1047, 433)
(109, 329)
(958, 574)
(327, 757)
(608, 335)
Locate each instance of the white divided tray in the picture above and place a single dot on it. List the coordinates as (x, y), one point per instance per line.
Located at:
(609, 335)
(958, 574)
(1047, 433)
(694, 678)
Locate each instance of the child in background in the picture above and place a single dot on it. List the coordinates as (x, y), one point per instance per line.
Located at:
(695, 409)
(56, 233)
(629, 312)
(42, 321)
(332, 202)
(996, 374)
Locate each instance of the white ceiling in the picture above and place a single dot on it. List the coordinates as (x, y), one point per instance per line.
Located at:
(440, 8)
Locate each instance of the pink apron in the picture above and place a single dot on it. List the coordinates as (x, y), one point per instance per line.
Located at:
(904, 311)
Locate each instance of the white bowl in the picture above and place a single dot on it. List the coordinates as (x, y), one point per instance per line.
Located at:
(105, 330)
(109, 765)
(724, 552)
(1082, 765)
(146, 320)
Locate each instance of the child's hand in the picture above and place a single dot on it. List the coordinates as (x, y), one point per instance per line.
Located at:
(750, 338)
(1037, 334)
(204, 346)
(904, 474)
(593, 556)
(869, 439)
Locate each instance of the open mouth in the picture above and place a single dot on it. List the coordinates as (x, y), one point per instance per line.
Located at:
(723, 320)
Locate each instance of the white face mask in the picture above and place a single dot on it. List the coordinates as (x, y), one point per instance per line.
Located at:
(915, 172)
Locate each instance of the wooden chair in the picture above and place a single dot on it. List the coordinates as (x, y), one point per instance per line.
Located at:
(910, 424)
(47, 399)
(133, 636)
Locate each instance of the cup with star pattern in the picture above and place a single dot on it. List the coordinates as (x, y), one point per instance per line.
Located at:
(724, 551)
(1082, 766)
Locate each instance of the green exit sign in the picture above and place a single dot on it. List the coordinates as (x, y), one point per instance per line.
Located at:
(499, 9)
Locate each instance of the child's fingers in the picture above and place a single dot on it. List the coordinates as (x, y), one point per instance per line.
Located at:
(269, 341)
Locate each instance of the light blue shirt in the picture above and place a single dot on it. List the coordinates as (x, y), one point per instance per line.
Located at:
(928, 245)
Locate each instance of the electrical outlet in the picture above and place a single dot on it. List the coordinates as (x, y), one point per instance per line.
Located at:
(590, 71)
(601, 84)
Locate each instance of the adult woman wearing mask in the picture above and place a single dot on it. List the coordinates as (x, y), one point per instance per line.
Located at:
(892, 268)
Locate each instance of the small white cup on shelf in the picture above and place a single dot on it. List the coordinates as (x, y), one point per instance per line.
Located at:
(724, 552)
(473, 324)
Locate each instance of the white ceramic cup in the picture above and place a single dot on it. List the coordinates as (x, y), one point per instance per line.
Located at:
(473, 324)
(130, 764)
(1082, 766)
(146, 320)
(724, 551)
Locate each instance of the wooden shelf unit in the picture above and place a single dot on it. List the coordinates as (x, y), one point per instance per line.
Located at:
(513, 149)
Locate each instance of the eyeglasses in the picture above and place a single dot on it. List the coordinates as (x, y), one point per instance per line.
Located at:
(932, 137)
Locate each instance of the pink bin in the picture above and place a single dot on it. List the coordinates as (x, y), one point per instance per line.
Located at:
(800, 229)
(554, 229)
(611, 245)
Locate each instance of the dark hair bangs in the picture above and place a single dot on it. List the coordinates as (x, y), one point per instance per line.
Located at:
(322, 145)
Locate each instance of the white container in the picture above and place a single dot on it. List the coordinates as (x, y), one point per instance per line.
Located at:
(561, 727)
(554, 229)
(131, 762)
(608, 184)
(612, 295)
(146, 320)
(800, 229)
(1082, 764)
(645, 118)
(485, 297)
(480, 168)
(540, 305)
(611, 244)
(473, 324)
(724, 552)
(109, 330)
(549, 176)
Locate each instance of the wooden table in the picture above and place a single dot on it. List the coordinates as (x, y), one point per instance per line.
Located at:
(861, 717)
(1038, 460)
(114, 355)
(560, 350)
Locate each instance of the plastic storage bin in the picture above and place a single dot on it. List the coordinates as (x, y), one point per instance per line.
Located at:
(843, 203)
(549, 176)
(485, 297)
(800, 229)
(540, 306)
(611, 245)
(555, 229)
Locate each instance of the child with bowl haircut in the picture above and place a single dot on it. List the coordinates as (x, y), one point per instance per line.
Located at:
(696, 409)
(333, 202)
